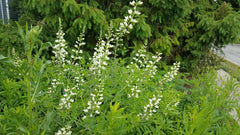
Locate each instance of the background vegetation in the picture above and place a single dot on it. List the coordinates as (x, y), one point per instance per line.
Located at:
(183, 30)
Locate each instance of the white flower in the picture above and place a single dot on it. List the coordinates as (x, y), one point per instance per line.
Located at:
(84, 117)
(150, 108)
(176, 104)
(134, 20)
(130, 11)
(94, 103)
(169, 76)
(132, 3)
(139, 3)
(138, 90)
(64, 131)
(60, 47)
(134, 92)
(137, 12)
(121, 24)
(97, 112)
(76, 58)
(130, 26)
(66, 100)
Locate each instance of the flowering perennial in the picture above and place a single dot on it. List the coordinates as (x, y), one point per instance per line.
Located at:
(55, 83)
(66, 100)
(127, 24)
(134, 92)
(79, 81)
(77, 50)
(169, 76)
(60, 47)
(102, 52)
(101, 56)
(148, 65)
(129, 20)
(151, 67)
(64, 131)
(141, 60)
(94, 103)
(153, 102)
(150, 108)
(16, 58)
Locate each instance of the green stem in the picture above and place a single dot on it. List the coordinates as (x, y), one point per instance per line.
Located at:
(29, 104)
(29, 93)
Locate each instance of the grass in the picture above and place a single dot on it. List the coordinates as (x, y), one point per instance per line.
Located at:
(231, 68)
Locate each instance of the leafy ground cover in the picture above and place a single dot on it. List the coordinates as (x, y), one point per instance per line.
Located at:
(107, 94)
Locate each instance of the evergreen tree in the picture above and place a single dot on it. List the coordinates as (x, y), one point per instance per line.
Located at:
(209, 27)
(182, 30)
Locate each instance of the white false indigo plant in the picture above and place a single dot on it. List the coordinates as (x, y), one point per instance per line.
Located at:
(59, 49)
(60, 59)
(169, 76)
(127, 25)
(142, 63)
(150, 108)
(146, 64)
(17, 61)
(101, 56)
(67, 99)
(77, 51)
(64, 131)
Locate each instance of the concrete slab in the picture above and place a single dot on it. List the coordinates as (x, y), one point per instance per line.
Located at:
(232, 53)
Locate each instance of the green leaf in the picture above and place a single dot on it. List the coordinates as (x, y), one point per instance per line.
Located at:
(2, 57)
(43, 133)
(39, 77)
(5, 59)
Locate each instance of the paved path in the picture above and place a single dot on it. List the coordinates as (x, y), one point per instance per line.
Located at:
(232, 53)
